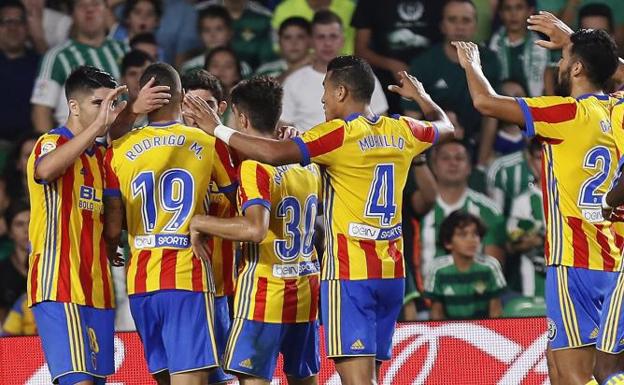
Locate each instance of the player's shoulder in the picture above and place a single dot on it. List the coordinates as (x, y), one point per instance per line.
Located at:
(253, 166)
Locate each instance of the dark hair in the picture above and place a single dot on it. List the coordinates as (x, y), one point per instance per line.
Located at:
(598, 53)
(596, 9)
(436, 149)
(145, 37)
(130, 4)
(447, 2)
(535, 145)
(456, 220)
(212, 53)
(13, 4)
(135, 58)
(200, 79)
(88, 78)
(260, 98)
(324, 17)
(215, 12)
(355, 74)
(164, 75)
(529, 3)
(15, 207)
(295, 21)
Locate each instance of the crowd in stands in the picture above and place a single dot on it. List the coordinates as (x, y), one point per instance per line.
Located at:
(472, 214)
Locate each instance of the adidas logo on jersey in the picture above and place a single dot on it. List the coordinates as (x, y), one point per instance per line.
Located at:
(357, 345)
(441, 83)
(246, 364)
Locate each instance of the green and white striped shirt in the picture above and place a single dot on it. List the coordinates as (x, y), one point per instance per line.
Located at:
(199, 61)
(508, 177)
(272, 69)
(59, 62)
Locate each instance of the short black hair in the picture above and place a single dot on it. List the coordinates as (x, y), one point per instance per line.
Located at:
(260, 98)
(456, 220)
(529, 3)
(88, 78)
(200, 79)
(130, 4)
(355, 74)
(596, 9)
(145, 37)
(597, 50)
(215, 12)
(215, 51)
(295, 21)
(535, 145)
(164, 75)
(13, 4)
(324, 17)
(134, 58)
(16, 207)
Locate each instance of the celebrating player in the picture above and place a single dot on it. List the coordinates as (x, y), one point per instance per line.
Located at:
(367, 159)
(580, 158)
(69, 279)
(160, 175)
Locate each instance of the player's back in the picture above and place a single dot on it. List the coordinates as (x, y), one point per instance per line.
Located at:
(367, 162)
(163, 176)
(281, 273)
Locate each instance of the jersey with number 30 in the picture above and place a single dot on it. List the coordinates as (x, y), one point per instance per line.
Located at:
(162, 174)
(366, 165)
(580, 156)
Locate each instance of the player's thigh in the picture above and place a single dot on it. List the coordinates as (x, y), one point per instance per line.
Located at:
(251, 380)
(196, 377)
(356, 370)
(553, 375)
(609, 365)
(312, 380)
(575, 366)
(300, 349)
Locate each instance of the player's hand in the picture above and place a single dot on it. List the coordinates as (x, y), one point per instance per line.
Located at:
(467, 53)
(409, 87)
(556, 30)
(109, 110)
(201, 113)
(287, 132)
(151, 98)
(199, 244)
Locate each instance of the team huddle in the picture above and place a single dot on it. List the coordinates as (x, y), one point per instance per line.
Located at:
(188, 190)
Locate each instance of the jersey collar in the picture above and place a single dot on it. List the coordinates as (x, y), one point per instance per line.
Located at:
(165, 124)
(63, 131)
(597, 96)
(355, 115)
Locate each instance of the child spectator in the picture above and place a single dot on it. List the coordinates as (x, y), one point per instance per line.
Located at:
(223, 63)
(147, 43)
(509, 138)
(139, 16)
(20, 321)
(295, 41)
(215, 30)
(464, 284)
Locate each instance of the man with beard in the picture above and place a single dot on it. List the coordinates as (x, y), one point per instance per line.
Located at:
(580, 159)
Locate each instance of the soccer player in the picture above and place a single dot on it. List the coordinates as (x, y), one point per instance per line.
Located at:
(69, 279)
(207, 87)
(276, 301)
(367, 159)
(580, 151)
(159, 175)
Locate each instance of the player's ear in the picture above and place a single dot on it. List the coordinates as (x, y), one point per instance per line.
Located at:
(221, 107)
(74, 107)
(341, 93)
(577, 68)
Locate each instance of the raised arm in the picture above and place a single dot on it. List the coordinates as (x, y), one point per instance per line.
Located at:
(484, 98)
(270, 151)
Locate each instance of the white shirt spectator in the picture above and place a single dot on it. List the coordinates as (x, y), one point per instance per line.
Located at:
(56, 26)
(303, 90)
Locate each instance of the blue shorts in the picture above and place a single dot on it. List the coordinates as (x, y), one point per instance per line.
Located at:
(360, 316)
(176, 329)
(222, 330)
(78, 341)
(576, 303)
(611, 336)
(253, 348)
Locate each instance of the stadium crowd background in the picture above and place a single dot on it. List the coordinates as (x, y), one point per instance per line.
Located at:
(490, 171)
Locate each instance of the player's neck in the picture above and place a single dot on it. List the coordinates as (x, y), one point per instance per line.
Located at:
(74, 126)
(165, 115)
(319, 65)
(352, 108)
(584, 87)
(451, 194)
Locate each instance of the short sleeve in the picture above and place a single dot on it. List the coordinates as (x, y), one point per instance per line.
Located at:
(432, 286)
(422, 134)
(223, 169)
(255, 185)
(497, 281)
(45, 145)
(111, 181)
(49, 83)
(548, 116)
(321, 143)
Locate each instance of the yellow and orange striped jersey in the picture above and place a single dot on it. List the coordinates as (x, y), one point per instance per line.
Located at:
(162, 173)
(366, 165)
(279, 279)
(68, 261)
(580, 155)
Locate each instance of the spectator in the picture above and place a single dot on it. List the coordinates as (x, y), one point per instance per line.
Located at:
(18, 69)
(14, 270)
(295, 41)
(251, 24)
(20, 321)
(464, 284)
(17, 189)
(223, 63)
(46, 27)
(567, 10)
(520, 58)
(215, 30)
(308, 8)
(139, 16)
(132, 67)
(390, 33)
(304, 109)
(443, 78)
(177, 35)
(146, 42)
(526, 228)
(89, 46)
(451, 167)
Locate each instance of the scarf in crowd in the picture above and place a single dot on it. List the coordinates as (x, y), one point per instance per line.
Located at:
(535, 59)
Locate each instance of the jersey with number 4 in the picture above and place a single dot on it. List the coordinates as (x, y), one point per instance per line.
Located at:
(366, 165)
(162, 174)
(580, 156)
